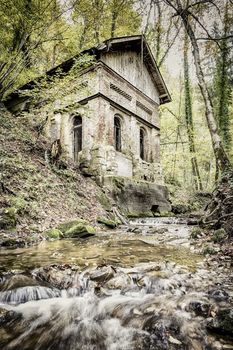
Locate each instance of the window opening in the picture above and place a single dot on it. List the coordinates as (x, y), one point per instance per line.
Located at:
(77, 130)
(117, 133)
(142, 144)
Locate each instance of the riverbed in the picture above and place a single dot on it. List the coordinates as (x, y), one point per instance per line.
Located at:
(141, 286)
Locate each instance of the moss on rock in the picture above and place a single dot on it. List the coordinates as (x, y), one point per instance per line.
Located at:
(8, 218)
(53, 233)
(80, 230)
(66, 226)
(219, 235)
(106, 222)
(104, 201)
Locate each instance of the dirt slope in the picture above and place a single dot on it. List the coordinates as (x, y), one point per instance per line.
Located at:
(33, 190)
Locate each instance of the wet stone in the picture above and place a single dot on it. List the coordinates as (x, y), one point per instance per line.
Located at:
(102, 274)
(223, 322)
(218, 294)
(13, 281)
(200, 308)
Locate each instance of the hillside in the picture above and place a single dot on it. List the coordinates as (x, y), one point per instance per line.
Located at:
(35, 193)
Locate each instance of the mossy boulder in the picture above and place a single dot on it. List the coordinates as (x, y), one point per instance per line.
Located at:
(107, 222)
(8, 218)
(76, 228)
(81, 231)
(66, 226)
(53, 233)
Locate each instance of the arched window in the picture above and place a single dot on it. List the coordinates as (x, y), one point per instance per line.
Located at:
(117, 133)
(142, 144)
(77, 132)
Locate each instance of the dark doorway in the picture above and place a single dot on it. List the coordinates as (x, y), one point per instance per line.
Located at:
(155, 209)
(77, 129)
(117, 133)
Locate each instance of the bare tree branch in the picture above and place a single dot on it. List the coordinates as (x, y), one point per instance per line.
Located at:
(169, 46)
(217, 39)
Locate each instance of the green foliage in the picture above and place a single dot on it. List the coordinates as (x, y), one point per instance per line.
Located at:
(196, 232)
(91, 27)
(38, 35)
(175, 151)
(19, 203)
(26, 26)
(209, 251)
(218, 235)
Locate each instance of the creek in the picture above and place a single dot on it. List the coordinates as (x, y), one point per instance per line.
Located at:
(140, 287)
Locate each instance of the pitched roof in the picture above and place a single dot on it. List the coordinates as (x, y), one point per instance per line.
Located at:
(136, 43)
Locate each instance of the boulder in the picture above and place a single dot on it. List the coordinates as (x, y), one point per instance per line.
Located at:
(80, 230)
(8, 218)
(76, 228)
(222, 323)
(102, 274)
(53, 233)
(218, 294)
(65, 226)
(200, 308)
(106, 222)
(12, 242)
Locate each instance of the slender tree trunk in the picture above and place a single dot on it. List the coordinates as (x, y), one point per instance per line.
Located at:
(222, 160)
(158, 30)
(189, 119)
(223, 86)
(113, 24)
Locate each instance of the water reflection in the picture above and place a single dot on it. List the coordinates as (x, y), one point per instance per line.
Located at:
(120, 248)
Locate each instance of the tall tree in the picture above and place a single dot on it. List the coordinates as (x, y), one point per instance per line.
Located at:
(183, 11)
(222, 82)
(189, 117)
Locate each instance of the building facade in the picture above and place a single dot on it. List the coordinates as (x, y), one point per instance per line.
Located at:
(114, 129)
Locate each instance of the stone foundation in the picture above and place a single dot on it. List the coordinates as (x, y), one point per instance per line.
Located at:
(137, 198)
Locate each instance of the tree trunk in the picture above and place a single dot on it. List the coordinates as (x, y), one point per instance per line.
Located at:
(189, 119)
(158, 30)
(223, 86)
(222, 160)
(113, 24)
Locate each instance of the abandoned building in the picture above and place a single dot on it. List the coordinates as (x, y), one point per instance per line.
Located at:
(113, 132)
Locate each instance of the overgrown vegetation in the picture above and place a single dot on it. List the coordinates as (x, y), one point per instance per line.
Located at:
(39, 195)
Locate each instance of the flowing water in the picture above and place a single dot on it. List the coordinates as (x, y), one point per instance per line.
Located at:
(137, 288)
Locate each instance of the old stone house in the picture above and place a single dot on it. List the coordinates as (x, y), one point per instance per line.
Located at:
(114, 131)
